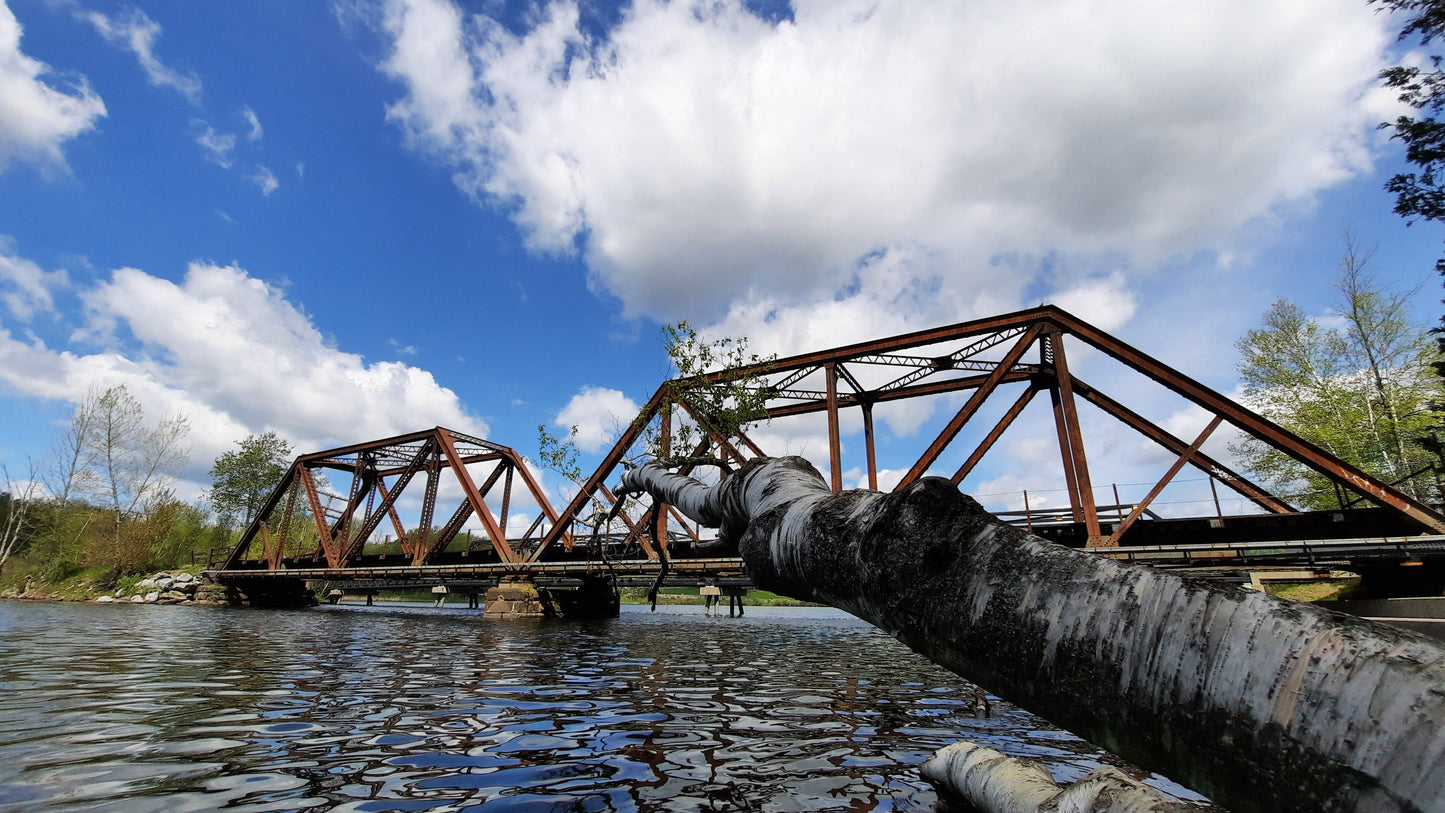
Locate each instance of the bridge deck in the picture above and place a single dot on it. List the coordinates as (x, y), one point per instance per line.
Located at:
(1305, 552)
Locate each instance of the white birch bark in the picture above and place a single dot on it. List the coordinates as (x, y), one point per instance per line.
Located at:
(989, 780)
(1260, 704)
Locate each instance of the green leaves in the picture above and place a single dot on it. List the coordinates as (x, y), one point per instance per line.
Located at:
(1357, 383)
(727, 401)
(241, 479)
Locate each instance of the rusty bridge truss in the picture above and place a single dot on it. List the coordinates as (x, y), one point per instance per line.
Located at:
(1015, 359)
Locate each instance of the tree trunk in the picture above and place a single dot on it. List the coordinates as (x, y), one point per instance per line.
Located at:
(1259, 703)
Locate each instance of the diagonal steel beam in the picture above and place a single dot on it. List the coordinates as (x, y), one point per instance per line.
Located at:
(449, 532)
(395, 517)
(479, 506)
(993, 434)
(244, 543)
(426, 452)
(286, 515)
(318, 514)
(1241, 484)
(1257, 425)
(1183, 459)
(990, 383)
(604, 470)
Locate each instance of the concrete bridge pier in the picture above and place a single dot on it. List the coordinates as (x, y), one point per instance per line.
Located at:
(519, 597)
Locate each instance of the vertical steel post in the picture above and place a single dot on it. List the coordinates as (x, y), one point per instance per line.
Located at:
(506, 496)
(868, 445)
(835, 444)
(1075, 439)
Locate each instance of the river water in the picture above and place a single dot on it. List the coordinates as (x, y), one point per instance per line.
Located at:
(152, 708)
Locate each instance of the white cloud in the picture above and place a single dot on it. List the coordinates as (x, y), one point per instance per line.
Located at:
(216, 147)
(265, 179)
(255, 124)
(26, 287)
(233, 354)
(598, 413)
(703, 159)
(36, 118)
(1103, 302)
(133, 31)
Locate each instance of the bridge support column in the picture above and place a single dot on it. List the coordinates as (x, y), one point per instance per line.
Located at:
(518, 597)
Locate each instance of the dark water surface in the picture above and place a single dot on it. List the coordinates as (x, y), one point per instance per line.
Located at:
(411, 708)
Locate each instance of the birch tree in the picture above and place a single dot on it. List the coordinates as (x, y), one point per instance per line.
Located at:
(20, 499)
(1358, 382)
(132, 462)
(1259, 703)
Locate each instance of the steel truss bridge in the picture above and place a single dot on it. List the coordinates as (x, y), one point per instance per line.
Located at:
(334, 516)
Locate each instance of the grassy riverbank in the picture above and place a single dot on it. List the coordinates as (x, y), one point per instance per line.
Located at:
(82, 584)
(689, 595)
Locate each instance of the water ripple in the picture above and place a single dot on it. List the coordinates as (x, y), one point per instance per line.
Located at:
(352, 709)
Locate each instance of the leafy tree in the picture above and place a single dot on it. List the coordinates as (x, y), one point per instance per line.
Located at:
(729, 405)
(124, 463)
(133, 462)
(1357, 384)
(1420, 195)
(242, 479)
(19, 502)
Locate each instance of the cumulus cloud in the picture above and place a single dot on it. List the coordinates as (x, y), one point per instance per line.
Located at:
(233, 354)
(131, 30)
(264, 179)
(703, 159)
(36, 118)
(25, 287)
(597, 412)
(1104, 302)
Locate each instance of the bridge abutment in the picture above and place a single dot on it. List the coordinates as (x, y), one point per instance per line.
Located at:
(278, 593)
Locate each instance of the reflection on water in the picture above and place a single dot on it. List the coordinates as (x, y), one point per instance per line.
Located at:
(386, 708)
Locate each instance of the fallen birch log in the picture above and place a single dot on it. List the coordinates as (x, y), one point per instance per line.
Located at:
(1258, 703)
(990, 780)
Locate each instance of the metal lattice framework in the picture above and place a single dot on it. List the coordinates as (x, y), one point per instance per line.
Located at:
(379, 473)
(1023, 352)
(981, 358)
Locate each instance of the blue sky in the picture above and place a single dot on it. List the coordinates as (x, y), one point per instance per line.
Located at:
(350, 219)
